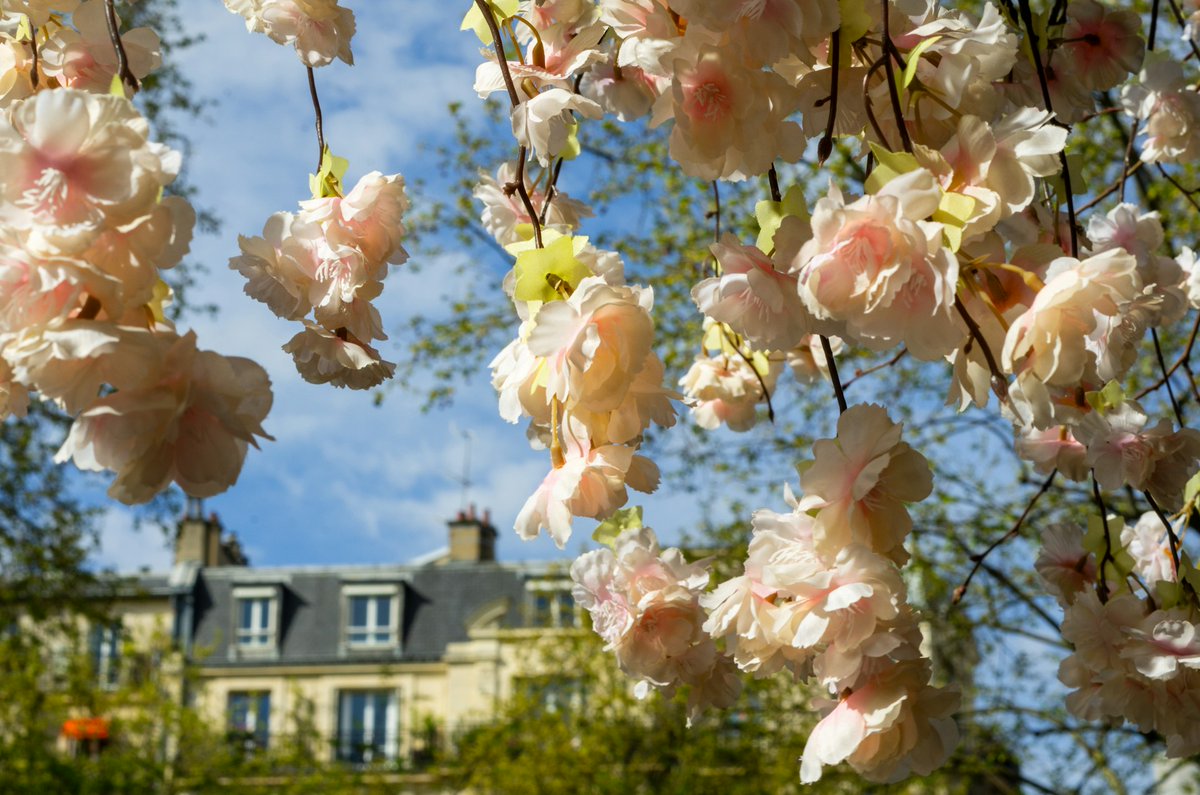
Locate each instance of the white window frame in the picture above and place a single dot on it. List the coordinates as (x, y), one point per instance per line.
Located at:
(553, 588)
(391, 727)
(245, 639)
(108, 655)
(252, 714)
(372, 627)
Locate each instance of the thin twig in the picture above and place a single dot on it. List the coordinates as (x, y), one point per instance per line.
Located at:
(114, 34)
(519, 183)
(889, 52)
(1162, 366)
(1027, 19)
(33, 73)
(999, 382)
(838, 392)
(1107, 557)
(320, 122)
(1016, 528)
(773, 182)
(1180, 362)
(1172, 539)
(876, 368)
(825, 146)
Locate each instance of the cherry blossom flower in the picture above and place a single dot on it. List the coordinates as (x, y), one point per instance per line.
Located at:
(82, 56)
(544, 122)
(859, 482)
(504, 213)
(1162, 98)
(189, 421)
(752, 297)
(1104, 45)
(80, 164)
(644, 602)
(320, 30)
(730, 123)
(886, 728)
(724, 389)
(322, 357)
(1065, 567)
(1148, 545)
(593, 343)
(878, 267)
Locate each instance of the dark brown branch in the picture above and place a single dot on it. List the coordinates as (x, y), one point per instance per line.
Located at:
(1172, 539)
(1162, 366)
(999, 382)
(838, 392)
(1027, 20)
(320, 122)
(1107, 557)
(519, 183)
(825, 146)
(876, 368)
(1182, 361)
(114, 34)
(1011, 534)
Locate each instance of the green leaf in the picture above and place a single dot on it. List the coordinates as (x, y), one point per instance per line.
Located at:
(606, 532)
(327, 181)
(770, 215)
(914, 57)
(539, 270)
(474, 21)
(855, 24)
(889, 165)
(1108, 398)
(953, 212)
(116, 87)
(1192, 489)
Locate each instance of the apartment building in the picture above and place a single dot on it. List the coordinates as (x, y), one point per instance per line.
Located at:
(381, 660)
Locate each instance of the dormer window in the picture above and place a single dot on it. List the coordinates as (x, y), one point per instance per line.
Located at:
(372, 616)
(551, 604)
(256, 618)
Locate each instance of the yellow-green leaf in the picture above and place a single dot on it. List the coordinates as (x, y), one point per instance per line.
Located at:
(606, 532)
(770, 215)
(571, 148)
(855, 24)
(116, 87)
(474, 21)
(539, 271)
(24, 29)
(328, 179)
(888, 166)
(914, 57)
(953, 212)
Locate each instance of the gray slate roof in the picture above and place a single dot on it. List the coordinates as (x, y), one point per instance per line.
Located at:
(437, 603)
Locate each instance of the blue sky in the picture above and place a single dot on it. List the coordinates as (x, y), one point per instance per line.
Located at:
(345, 481)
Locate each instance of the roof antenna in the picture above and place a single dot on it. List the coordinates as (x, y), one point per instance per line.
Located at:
(465, 480)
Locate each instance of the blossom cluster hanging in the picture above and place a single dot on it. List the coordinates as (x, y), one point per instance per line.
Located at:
(85, 230)
(965, 246)
(330, 259)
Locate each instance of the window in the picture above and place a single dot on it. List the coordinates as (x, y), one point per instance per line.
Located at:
(367, 728)
(104, 648)
(551, 605)
(372, 616)
(553, 693)
(250, 720)
(256, 618)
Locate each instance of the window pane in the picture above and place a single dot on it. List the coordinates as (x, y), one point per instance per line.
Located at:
(358, 611)
(383, 611)
(542, 616)
(247, 608)
(566, 609)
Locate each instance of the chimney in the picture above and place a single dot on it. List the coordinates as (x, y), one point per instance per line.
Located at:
(199, 540)
(472, 538)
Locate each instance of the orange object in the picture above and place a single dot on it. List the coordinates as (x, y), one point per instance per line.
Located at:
(86, 728)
